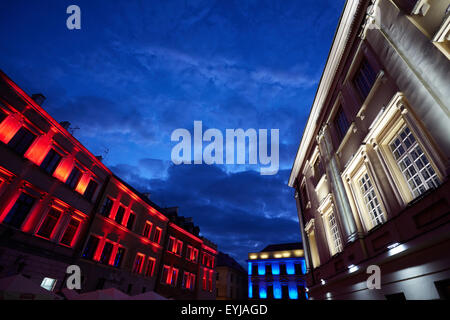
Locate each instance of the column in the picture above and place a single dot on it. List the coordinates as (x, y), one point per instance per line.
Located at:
(346, 217)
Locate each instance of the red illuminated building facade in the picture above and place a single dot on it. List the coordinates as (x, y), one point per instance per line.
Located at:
(124, 245)
(60, 206)
(49, 185)
(187, 269)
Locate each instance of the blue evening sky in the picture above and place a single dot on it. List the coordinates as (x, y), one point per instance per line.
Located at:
(139, 69)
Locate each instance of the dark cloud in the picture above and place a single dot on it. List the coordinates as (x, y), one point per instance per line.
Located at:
(241, 211)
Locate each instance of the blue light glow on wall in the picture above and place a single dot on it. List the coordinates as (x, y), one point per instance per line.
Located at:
(249, 268)
(275, 268)
(293, 294)
(303, 267)
(290, 268)
(250, 290)
(277, 290)
(262, 293)
(261, 269)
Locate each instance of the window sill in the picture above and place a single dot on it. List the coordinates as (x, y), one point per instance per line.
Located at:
(352, 129)
(379, 79)
(322, 180)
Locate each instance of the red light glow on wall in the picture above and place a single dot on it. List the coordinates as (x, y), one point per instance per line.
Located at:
(205, 247)
(10, 204)
(62, 172)
(185, 232)
(9, 128)
(39, 149)
(84, 181)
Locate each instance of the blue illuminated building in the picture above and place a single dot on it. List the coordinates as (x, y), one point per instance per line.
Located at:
(277, 272)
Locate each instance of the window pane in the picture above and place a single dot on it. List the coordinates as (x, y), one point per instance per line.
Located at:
(70, 232)
(371, 201)
(90, 190)
(119, 215)
(130, 222)
(106, 253)
(336, 238)
(22, 140)
(413, 163)
(364, 79)
(49, 224)
(19, 211)
(341, 124)
(91, 247)
(74, 178)
(107, 206)
(119, 257)
(51, 161)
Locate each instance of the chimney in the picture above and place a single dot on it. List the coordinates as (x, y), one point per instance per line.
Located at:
(65, 124)
(146, 195)
(39, 98)
(99, 158)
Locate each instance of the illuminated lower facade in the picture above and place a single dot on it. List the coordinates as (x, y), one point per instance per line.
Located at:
(371, 174)
(188, 262)
(277, 272)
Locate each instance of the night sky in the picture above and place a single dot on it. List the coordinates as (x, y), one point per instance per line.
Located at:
(139, 69)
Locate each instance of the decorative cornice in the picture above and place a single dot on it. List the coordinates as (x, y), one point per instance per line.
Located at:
(346, 25)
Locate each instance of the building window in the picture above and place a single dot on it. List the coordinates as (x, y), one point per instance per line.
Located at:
(107, 206)
(171, 244)
(147, 229)
(48, 226)
(138, 263)
(204, 282)
(166, 275)
(179, 247)
(157, 235)
(130, 221)
(413, 163)
(70, 232)
(22, 140)
(210, 281)
(341, 124)
(174, 279)
(19, 211)
(106, 253)
(335, 236)
(364, 79)
(91, 247)
(48, 284)
(119, 257)
(119, 215)
(51, 161)
(191, 254)
(150, 267)
(371, 200)
(188, 281)
(90, 190)
(74, 178)
(175, 246)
